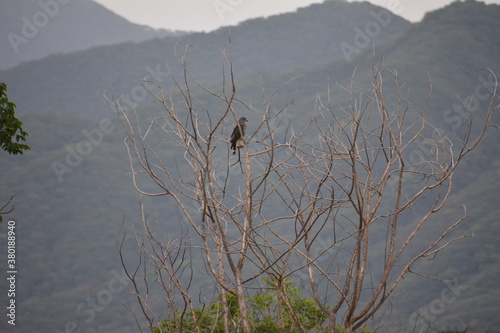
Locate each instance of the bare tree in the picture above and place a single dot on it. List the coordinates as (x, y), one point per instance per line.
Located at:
(373, 164)
(4, 210)
(332, 205)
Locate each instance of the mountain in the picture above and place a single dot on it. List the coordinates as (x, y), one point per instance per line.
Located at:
(33, 29)
(67, 231)
(68, 224)
(444, 55)
(306, 38)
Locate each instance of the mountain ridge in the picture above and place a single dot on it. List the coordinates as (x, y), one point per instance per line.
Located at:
(35, 29)
(258, 45)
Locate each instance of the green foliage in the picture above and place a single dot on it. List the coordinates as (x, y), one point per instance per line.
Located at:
(264, 313)
(11, 131)
(265, 308)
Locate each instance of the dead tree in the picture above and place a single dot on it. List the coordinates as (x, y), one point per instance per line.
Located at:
(306, 203)
(373, 162)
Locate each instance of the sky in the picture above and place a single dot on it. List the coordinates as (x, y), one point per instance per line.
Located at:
(208, 15)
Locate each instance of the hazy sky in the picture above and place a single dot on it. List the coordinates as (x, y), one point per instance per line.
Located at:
(207, 15)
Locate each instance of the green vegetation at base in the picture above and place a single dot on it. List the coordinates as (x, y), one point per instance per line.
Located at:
(11, 131)
(268, 314)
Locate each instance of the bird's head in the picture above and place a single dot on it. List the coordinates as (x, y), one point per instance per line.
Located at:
(243, 120)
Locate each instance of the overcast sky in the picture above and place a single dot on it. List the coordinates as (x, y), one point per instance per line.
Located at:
(207, 15)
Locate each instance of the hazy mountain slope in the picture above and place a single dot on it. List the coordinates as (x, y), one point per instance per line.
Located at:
(445, 53)
(67, 230)
(444, 56)
(33, 29)
(464, 34)
(472, 302)
(309, 37)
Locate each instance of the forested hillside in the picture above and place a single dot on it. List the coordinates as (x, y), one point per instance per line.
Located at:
(34, 29)
(67, 231)
(304, 39)
(70, 206)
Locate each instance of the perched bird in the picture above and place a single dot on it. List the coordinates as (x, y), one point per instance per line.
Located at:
(237, 136)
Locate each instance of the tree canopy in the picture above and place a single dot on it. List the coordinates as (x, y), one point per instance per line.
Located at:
(11, 131)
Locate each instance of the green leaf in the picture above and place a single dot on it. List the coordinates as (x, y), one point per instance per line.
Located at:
(10, 127)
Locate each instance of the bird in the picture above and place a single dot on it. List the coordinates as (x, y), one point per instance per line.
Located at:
(237, 136)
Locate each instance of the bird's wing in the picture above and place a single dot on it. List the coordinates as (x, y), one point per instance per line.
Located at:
(235, 136)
